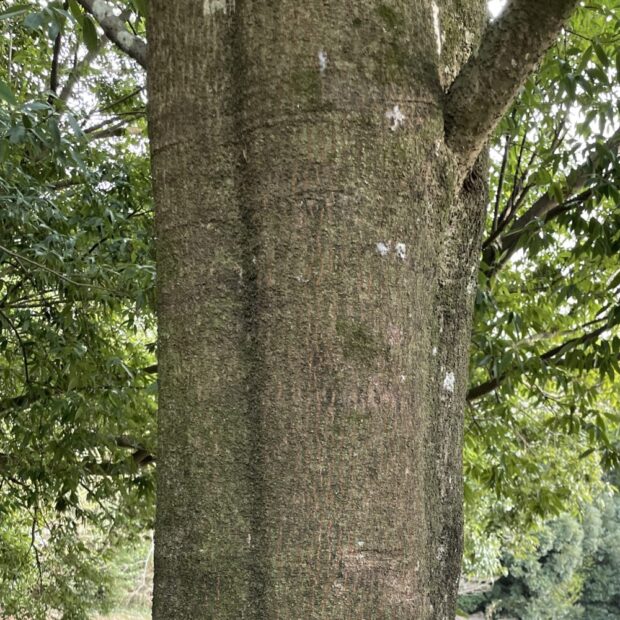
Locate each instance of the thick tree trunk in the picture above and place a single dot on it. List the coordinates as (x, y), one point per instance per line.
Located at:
(316, 264)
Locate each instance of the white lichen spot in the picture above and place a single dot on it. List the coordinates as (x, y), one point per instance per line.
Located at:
(403, 378)
(437, 27)
(495, 7)
(401, 251)
(323, 61)
(383, 248)
(210, 7)
(249, 539)
(360, 543)
(449, 382)
(514, 63)
(469, 37)
(396, 118)
(441, 552)
(434, 351)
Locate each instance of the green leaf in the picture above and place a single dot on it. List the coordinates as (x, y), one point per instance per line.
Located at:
(556, 192)
(7, 94)
(76, 10)
(89, 32)
(541, 177)
(54, 131)
(597, 73)
(14, 11)
(585, 58)
(34, 21)
(77, 130)
(53, 30)
(601, 54)
(16, 134)
(36, 106)
(141, 7)
(614, 282)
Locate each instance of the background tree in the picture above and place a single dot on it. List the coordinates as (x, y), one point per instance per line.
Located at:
(572, 571)
(542, 401)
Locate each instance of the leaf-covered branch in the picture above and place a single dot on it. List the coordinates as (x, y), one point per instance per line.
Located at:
(79, 69)
(137, 460)
(114, 28)
(490, 80)
(497, 253)
(553, 354)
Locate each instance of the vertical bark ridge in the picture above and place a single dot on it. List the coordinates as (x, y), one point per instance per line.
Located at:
(256, 379)
(204, 559)
(459, 246)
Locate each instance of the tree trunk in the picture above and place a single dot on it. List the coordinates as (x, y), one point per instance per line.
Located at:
(316, 269)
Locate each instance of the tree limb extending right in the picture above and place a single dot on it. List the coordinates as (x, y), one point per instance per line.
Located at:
(489, 81)
(114, 28)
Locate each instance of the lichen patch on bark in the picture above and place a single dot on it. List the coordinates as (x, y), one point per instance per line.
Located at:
(212, 7)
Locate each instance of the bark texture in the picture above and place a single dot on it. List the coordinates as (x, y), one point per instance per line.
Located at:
(316, 267)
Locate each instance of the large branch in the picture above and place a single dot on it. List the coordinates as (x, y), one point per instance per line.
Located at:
(502, 249)
(489, 81)
(114, 28)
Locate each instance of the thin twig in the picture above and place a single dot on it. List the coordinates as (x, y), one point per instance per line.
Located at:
(34, 548)
(54, 272)
(21, 344)
(500, 181)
